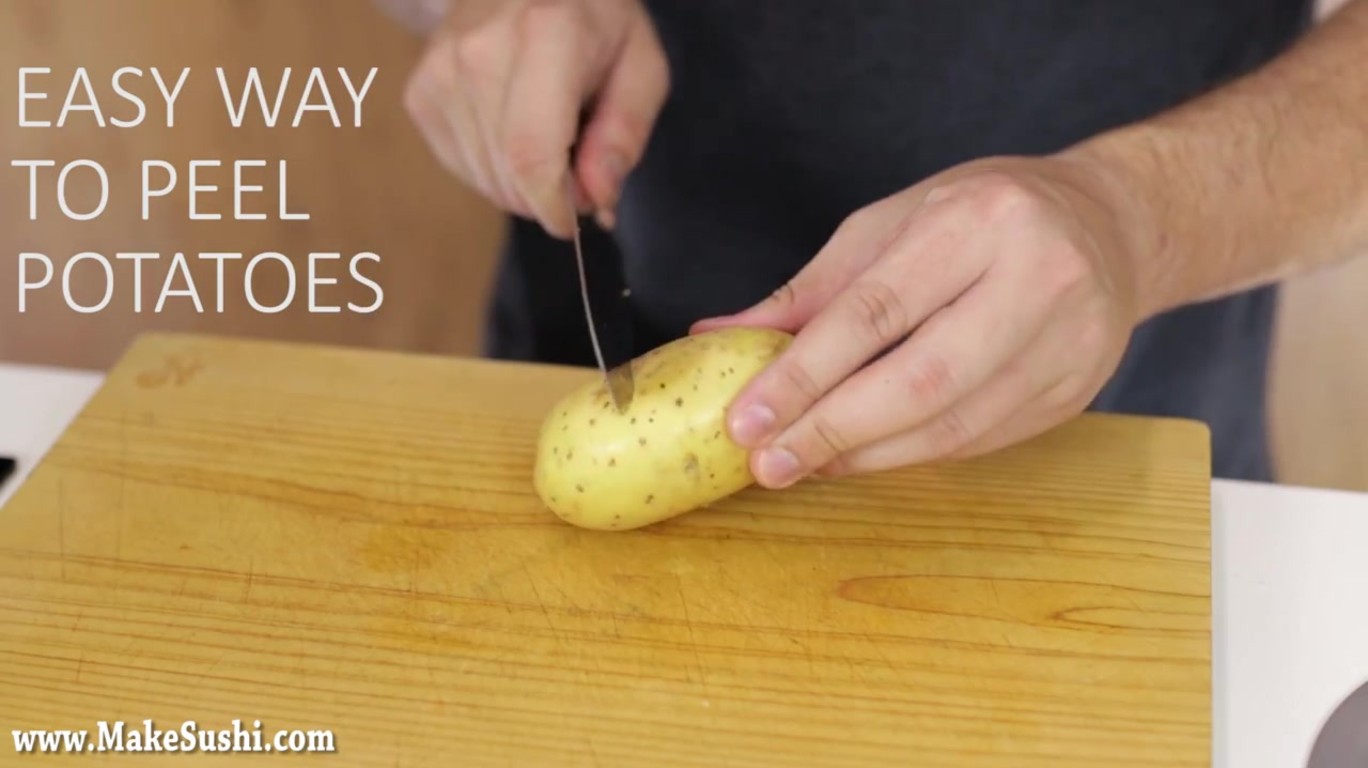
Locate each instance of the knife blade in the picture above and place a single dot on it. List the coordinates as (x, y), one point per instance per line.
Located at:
(618, 379)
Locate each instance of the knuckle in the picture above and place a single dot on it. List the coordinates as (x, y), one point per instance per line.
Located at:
(541, 17)
(836, 466)
(442, 60)
(650, 62)
(1065, 271)
(526, 155)
(944, 191)
(785, 296)
(657, 71)
(628, 130)
(433, 73)
(949, 433)
(1093, 336)
(857, 221)
(828, 438)
(1065, 396)
(930, 380)
(796, 376)
(415, 102)
(879, 311)
(1001, 194)
(430, 127)
(475, 49)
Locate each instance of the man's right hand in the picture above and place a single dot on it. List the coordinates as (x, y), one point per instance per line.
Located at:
(499, 93)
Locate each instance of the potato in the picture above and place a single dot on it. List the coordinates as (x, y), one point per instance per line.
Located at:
(669, 452)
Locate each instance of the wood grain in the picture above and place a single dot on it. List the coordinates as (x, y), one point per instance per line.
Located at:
(378, 188)
(320, 538)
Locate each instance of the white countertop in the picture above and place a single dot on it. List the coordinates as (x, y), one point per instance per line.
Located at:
(36, 404)
(1290, 579)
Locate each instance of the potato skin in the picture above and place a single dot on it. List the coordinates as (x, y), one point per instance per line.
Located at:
(670, 452)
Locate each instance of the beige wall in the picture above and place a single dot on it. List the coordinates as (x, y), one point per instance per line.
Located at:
(368, 189)
(1319, 379)
(377, 189)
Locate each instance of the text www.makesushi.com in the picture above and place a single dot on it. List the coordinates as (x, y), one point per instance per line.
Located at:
(147, 737)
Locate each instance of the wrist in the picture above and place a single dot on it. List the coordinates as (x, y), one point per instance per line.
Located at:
(1119, 173)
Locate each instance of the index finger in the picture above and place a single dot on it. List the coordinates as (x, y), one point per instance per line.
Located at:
(541, 112)
(919, 273)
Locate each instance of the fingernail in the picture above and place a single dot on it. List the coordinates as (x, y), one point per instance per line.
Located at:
(751, 424)
(616, 166)
(583, 205)
(778, 467)
(706, 324)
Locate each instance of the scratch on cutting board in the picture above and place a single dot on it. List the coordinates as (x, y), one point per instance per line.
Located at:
(413, 572)
(61, 525)
(214, 665)
(251, 576)
(593, 750)
(119, 511)
(546, 612)
(693, 642)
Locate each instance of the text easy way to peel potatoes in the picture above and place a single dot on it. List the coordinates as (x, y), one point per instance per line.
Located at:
(669, 452)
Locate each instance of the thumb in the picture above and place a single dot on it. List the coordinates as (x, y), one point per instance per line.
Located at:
(622, 118)
(855, 245)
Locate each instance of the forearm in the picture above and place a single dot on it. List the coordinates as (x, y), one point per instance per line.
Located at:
(418, 16)
(1254, 182)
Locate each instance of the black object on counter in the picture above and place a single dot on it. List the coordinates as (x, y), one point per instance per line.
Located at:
(6, 468)
(1343, 741)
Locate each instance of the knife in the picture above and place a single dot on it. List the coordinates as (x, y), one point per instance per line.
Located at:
(618, 379)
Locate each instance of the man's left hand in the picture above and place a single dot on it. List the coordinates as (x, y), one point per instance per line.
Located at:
(974, 310)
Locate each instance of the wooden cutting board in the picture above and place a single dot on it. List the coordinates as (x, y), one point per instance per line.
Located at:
(325, 539)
